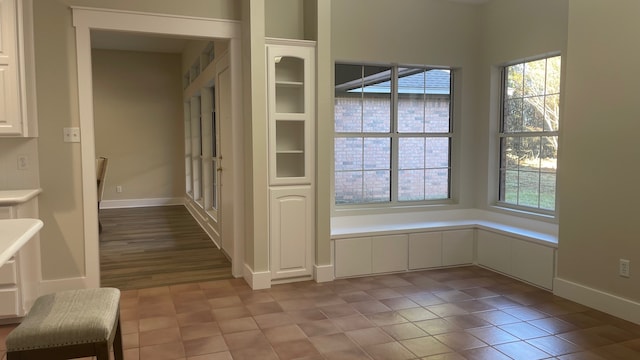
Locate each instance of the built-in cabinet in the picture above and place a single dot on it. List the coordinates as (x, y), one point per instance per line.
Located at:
(17, 75)
(527, 260)
(291, 120)
(20, 275)
(291, 231)
(522, 259)
(402, 252)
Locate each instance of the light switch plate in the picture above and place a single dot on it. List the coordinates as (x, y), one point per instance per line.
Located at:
(71, 134)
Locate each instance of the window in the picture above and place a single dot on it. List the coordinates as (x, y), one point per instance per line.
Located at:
(392, 134)
(529, 134)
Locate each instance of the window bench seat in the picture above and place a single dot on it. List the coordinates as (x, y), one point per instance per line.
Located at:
(382, 243)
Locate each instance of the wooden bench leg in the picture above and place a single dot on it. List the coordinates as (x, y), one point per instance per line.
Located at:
(102, 351)
(118, 352)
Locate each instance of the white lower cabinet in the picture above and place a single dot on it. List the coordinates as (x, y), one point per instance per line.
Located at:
(494, 251)
(20, 275)
(353, 257)
(291, 232)
(534, 263)
(440, 248)
(402, 252)
(457, 247)
(389, 253)
(425, 250)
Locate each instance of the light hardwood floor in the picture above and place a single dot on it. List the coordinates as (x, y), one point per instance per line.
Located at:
(156, 246)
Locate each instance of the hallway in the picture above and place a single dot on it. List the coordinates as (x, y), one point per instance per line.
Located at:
(156, 246)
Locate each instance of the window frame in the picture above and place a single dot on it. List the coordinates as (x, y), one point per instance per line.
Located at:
(501, 134)
(394, 137)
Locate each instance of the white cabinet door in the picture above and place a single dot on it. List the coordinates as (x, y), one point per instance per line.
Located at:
(389, 253)
(425, 250)
(457, 247)
(9, 303)
(291, 232)
(533, 263)
(353, 257)
(10, 114)
(494, 251)
(290, 95)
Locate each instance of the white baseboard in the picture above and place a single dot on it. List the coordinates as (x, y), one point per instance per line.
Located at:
(257, 280)
(132, 203)
(611, 304)
(323, 273)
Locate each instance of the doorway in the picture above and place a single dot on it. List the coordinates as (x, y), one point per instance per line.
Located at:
(85, 20)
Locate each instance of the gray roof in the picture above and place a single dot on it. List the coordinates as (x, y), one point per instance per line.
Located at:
(438, 82)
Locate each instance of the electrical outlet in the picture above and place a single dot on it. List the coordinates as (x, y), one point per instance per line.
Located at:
(71, 134)
(625, 268)
(118, 189)
(23, 162)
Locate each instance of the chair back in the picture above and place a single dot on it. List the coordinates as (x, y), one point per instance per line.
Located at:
(101, 173)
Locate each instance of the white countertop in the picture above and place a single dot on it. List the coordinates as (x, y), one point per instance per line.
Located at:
(12, 197)
(14, 233)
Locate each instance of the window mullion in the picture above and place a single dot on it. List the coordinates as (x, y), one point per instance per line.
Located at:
(394, 135)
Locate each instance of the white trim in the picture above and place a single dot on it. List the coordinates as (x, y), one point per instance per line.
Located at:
(323, 273)
(86, 19)
(133, 203)
(257, 280)
(598, 299)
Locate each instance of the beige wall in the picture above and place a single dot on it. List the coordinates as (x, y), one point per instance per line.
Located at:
(596, 206)
(284, 19)
(599, 176)
(138, 117)
(418, 32)
(10, 177)
(512, 30)
(61, 209)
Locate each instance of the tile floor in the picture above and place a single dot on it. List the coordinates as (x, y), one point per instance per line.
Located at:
(460, 313)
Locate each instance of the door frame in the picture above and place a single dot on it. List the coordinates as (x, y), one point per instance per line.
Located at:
(86, 19)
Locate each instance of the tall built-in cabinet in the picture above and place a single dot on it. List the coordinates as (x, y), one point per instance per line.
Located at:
(17, 74)
(291, 118)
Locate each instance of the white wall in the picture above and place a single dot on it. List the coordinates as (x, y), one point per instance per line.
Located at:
(600, 176)
(419, 32)
(10, 177)
(139, 123)
(60, 203)
(512, 30)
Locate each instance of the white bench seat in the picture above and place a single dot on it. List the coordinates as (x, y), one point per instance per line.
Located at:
(494, 240)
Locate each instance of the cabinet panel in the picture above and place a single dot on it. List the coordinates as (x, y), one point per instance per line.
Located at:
(290, 95)
(494, 251)
(8, 273)
(353, 257)
(9, 302)
(533, 263)
(291, 232)
(5, 212)
(425, 250)
(389, 253)
(17, 110)
(457, 247)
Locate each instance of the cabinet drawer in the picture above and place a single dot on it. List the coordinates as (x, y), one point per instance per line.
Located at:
(9, 302)
(8, 274)
(5, 212)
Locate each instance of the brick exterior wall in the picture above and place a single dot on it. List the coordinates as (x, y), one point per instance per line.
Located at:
(362, 165)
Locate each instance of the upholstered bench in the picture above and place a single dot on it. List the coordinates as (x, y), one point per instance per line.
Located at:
(69, 324)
